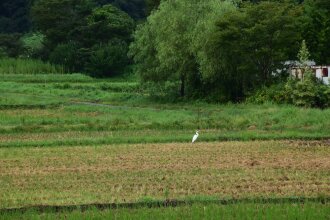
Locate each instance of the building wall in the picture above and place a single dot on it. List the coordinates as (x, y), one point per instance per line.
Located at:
(318, 70)
(319, 74)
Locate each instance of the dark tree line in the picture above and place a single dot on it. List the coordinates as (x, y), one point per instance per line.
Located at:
(14, 16)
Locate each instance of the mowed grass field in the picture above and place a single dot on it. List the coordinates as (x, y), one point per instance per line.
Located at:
(73, 140)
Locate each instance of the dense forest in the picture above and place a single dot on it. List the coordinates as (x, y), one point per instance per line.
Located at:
(217, 50)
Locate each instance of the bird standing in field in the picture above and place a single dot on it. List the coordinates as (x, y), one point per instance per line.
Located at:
(195, 137)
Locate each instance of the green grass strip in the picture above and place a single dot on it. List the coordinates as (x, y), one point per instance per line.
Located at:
(151, 203)
(181, 138)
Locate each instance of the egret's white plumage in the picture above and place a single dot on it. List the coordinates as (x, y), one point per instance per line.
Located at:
(195, 137)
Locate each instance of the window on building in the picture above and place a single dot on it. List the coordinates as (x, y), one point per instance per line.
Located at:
(325, 72)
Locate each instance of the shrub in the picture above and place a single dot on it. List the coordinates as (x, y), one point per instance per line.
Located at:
(11, 45)
(108, 59)
(33, 44)
(310, 92)
(274, 93)
(70, 55)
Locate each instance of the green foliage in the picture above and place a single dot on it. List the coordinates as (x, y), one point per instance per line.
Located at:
(135, 8)
(316, 29)
(48, 78)
(108, 59)
(309, 92)
(33, 44)
(250, 44)
(27, 66)
(167, 46)
(303, 57)
(74, 41)
(306, 92)
(109, 22)
(11, 45)
(303, 54)
(275, 93)
(70, 55)
(243, 49)
(60, 20)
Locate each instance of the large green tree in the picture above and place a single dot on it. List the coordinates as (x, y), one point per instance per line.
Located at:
(93, 42)
(250, 44)
(108, 22)
(317, 29)
(109, 32)
(59, 20)
(78, 32)
(10, 45)
(168, 46)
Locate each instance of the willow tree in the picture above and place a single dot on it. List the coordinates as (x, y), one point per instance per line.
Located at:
(168, 46)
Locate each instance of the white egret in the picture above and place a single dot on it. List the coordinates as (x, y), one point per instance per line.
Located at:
(195, 137)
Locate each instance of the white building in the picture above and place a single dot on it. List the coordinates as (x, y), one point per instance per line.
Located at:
(321, 72)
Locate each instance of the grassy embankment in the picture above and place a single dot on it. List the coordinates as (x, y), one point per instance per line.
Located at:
(37, 111)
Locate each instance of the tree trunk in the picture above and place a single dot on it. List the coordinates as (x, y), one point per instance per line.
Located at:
(182, 87)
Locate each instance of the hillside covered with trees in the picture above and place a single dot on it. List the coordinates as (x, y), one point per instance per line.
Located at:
(216, 50)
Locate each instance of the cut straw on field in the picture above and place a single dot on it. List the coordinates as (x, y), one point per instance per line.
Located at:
(126, 173)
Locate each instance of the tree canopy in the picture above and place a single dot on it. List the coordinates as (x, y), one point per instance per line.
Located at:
(316, 29)
(59, 19)
(14, 16)
(166, 47)
(251, 43)
(134, 8)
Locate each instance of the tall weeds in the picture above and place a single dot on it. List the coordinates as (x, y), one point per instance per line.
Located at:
(28, 66)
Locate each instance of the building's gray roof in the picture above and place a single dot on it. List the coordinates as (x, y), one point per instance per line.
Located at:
(297, 63)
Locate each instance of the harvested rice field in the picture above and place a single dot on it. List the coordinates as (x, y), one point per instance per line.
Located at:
(130, 173)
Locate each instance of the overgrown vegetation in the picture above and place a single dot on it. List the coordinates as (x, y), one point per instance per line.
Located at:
(28, 66)
(308, 91)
